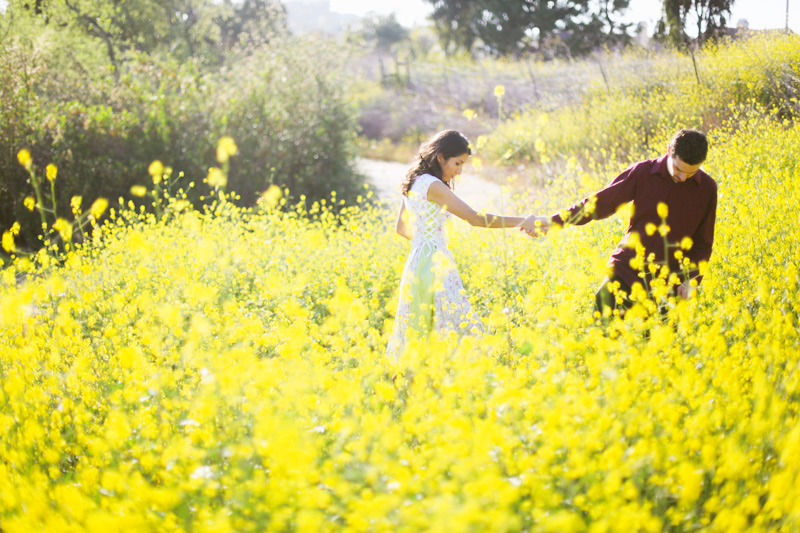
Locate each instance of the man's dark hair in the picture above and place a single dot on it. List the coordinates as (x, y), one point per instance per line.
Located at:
(690, 145)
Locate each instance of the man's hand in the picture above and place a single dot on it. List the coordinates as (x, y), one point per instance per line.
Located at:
(535, 225)
(685, 289)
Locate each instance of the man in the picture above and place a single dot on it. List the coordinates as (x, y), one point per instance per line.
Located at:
(672, 185)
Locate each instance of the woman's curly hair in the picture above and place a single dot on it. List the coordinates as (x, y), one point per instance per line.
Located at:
(449, 143)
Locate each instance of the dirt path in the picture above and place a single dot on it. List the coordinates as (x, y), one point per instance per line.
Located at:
(385, 177)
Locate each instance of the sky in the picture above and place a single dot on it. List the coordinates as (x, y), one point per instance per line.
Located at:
(761, 14)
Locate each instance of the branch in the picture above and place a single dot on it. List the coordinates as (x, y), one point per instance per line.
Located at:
(103, 33)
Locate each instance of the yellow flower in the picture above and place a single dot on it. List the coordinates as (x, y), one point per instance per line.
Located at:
(180, 205)
(64, 228)
(686, 243)
(271, 197)
(98, 208)
(15, 227)
(24, 158)
(29, 203)
(226, 148)
(138, 190)
(8, 242)
(156, 170)
(572, 163)
(51, 172)
(633, 240)
(75, 204)
(470, 114)
(216, 177)
(650, 228)
(663, 210)
(499, 91)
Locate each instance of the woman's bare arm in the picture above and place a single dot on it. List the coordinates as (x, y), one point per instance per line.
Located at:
(403, 224)
(441, 194)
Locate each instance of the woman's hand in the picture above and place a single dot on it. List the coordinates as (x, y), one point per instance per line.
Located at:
(685, 289)
(536, 225)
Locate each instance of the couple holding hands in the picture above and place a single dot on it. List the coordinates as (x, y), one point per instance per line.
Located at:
(669, 190)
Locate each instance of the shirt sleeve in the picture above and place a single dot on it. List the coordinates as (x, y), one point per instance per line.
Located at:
(604, 203)
(703, 238)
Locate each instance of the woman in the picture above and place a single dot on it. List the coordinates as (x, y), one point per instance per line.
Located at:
(432, 296)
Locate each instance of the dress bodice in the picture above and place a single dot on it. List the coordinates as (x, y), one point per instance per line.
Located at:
(427, 218)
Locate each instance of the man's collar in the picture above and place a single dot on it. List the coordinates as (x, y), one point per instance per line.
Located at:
(661, 167)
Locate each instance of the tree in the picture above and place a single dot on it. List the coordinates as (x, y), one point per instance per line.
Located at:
(251, 22)
(180, 28)
(711, 17)
(511, 28)
(455, 23)
(600, 29)
(120, 26)
(384, 31)
(507, 28)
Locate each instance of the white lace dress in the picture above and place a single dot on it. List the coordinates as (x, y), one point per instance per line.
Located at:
(432, 295)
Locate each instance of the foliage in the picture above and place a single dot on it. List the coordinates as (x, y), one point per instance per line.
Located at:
(600, 31)
(454, 23)
(711, 17)
(286, 104)
(223, 370)
(179, 28)
(511, 28)
(628, 121)
(384, 32)
(605, 96)
(250, 23)
(287, 108)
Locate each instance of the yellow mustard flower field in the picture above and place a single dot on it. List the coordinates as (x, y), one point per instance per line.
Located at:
(225, 371)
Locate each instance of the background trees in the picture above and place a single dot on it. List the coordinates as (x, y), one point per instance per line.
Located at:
(179, 28)
(101, 89)
(564, 27)
(383, 31)
(511, 28)
(710, 15)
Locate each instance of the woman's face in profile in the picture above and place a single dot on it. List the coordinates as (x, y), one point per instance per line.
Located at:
(453, 166)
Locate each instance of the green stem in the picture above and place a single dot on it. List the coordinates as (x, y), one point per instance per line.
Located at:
(40, 204)
(53, 196)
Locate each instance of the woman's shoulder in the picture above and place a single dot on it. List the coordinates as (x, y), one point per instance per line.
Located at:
(422, 183)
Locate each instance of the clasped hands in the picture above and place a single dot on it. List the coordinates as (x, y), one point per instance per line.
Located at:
(536, 225)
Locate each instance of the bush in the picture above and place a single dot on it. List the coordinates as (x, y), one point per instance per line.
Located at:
(284, 105)
(635, 118)
(287, 109)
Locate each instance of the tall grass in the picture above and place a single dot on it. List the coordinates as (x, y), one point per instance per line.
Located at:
(633, 119)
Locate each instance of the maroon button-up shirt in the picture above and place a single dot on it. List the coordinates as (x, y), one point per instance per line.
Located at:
(692, 212)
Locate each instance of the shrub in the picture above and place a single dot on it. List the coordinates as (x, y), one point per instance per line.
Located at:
(632, 119)
(284, 105)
